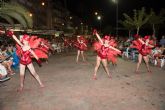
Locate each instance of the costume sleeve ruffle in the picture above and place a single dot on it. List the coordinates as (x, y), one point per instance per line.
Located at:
(40, 53)
(142, 48)
(97, 46)
(39, 46)
(136, 44)
(81, 46)
(112, 55)
(112, 43)
(34, 42)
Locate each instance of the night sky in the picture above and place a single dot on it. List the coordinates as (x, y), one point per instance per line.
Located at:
(85, 9)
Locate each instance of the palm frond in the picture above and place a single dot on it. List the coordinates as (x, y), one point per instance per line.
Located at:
(13, 9)
(8, 19)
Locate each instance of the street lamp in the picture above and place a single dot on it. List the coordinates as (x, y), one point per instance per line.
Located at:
(30, 14)
(116, 2)
(70, 17)
(42, 3)
(96, 13)
(99, 19)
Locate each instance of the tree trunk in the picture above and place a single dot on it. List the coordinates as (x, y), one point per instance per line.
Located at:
(137, 32)
(129, 33)
(153, 28)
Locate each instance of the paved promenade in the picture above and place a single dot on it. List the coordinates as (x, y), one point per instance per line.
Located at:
(69, 86)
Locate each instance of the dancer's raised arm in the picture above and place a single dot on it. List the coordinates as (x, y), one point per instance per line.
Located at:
(98, 36)
(11, 34)
(78, 39)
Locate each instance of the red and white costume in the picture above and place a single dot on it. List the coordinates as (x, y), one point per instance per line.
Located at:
(25, 56)
(106, 52)
(81, 43)
(143, 49)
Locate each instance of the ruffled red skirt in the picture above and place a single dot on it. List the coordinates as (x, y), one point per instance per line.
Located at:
(26, 62)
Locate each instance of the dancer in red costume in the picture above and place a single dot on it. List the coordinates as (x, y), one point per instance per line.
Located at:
(81, 45)
(105, 51)
(144, 47)
(24, 50)
(46, 48)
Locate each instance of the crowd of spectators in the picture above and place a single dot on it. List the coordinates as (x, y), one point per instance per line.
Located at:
(7, 61)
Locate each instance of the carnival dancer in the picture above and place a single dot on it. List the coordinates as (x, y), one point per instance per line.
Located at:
(105, 51)
(81, 45)
(144, 47)
(25, 49)
(46, 48)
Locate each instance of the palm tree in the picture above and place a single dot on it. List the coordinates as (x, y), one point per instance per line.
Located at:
(127, 26)
(156, 20)
(138, 20)
(11, 11)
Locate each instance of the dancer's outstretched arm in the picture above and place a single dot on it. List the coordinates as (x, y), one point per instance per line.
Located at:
(147, 44)
(35, 56)
(85, 44)
(114, 48)
(141, 40)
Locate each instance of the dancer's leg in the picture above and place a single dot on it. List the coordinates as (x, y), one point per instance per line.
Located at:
(82, 54)
(22, 76)
(78, 54)
(104, 61)
(139, 62)
(146, 60)
(98, 60)
(33, 72)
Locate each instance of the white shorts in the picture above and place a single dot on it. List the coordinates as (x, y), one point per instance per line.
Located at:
(3, 71)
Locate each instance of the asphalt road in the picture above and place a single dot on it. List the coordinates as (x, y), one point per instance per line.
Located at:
(69, 86)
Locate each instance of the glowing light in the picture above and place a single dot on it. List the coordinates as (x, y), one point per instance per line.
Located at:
(70, 17)
(99, 17)
(30, 14)
(42, 3)
(96, 13)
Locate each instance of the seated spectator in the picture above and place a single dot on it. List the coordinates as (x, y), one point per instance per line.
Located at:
(126, 52)
(162, 58)
(6, 61)
(59, 49)
(157, 55)
(54, 46)
(162, 41)
(3, 73)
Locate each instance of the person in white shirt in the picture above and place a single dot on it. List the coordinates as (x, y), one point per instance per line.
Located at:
(156, 55)
(3, 73)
